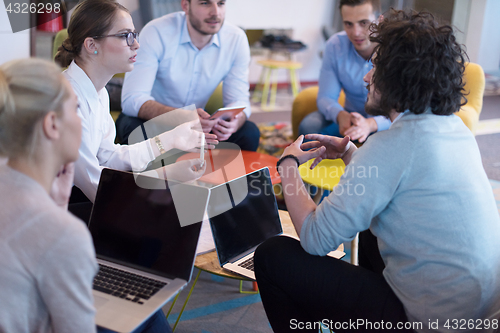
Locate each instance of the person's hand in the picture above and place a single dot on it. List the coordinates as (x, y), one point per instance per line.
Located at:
(362, 127)
(333, 147)
(224, 129)
(62, 185)
(187, 137)
(206, 124)
(344, 120)
(185, 171)
(303, 156)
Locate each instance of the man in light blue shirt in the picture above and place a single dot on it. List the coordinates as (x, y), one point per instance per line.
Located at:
(346, 61)
(183, 58)
(419, 186)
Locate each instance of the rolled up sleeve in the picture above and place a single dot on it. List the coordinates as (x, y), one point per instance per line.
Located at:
(383, 123)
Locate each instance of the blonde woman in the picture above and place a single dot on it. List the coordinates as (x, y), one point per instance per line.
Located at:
(47, 260)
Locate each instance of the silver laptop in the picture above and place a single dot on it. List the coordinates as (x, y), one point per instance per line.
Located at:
(243, 213)
(144, 254)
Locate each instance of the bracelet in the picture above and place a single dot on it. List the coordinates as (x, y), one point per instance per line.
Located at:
(284, 158)
(159, 145)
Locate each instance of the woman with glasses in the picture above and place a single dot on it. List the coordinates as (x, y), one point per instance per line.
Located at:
(102, 42)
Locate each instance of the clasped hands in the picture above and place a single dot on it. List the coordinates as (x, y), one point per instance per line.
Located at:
(322, 147)
(355, 125)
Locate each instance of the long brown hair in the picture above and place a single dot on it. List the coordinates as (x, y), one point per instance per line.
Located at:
(90, 18)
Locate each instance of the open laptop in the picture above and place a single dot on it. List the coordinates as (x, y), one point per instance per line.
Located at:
(144, 254)
(243, 213)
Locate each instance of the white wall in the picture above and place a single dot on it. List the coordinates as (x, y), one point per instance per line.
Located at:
(306, 18)
(489, 51)
(482, 36)
(13, 45)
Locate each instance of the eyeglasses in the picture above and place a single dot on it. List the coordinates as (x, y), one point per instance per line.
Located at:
(130, 37)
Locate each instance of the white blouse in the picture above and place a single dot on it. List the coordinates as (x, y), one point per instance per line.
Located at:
(98, 149)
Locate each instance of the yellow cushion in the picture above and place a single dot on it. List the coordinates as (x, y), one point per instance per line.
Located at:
(326, 175)
(305, 103)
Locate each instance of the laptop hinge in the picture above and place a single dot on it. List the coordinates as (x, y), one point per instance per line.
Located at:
(238, 257)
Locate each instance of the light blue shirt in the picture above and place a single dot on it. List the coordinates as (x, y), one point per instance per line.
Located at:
(344, 68)
(421, 189)
(173, 72)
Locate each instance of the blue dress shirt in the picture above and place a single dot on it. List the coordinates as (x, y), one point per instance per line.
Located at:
(174, 72)
(344, 68)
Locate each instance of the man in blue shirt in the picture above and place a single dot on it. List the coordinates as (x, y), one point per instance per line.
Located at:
(183, 58)
(346, 61)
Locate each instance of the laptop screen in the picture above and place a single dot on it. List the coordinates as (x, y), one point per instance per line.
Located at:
(139, 227)
(243, 213)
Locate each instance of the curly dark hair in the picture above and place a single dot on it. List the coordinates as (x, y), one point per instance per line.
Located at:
(418, 64)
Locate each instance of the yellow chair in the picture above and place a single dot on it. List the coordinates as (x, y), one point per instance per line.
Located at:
(58, 40)
(262, 87)
(474, 88)
(305, 102)
(215, 101)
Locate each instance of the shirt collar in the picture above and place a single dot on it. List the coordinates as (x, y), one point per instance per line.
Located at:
(359, 57)
(87, 87)
(398, 117)
(185, 38)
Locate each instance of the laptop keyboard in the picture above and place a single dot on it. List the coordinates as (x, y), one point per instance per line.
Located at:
(248, 264)
(129, 286)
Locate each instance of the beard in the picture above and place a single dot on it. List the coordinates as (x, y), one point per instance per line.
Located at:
(373, 108)
(198, 25)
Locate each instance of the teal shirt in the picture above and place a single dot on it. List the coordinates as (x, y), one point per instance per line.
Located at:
(420, 187)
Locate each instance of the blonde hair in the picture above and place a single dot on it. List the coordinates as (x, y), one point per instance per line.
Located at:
(29, 89)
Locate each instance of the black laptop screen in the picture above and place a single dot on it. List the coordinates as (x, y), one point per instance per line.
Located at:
(139, 227)
(243, 213)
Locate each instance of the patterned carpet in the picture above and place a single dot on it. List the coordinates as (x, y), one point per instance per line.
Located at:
(274, 137)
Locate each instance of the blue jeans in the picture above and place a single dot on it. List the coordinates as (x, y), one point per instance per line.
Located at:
(156, 324)
(315, 122)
